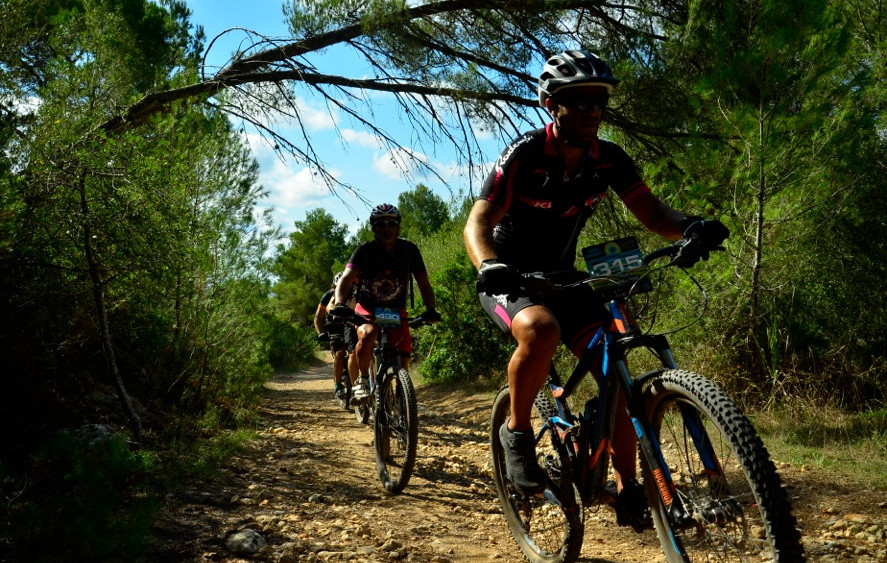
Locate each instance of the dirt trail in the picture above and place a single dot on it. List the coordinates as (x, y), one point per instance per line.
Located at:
(307, 487)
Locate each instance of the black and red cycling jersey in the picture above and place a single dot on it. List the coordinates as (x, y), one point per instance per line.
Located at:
(385, 274)
(544, 210)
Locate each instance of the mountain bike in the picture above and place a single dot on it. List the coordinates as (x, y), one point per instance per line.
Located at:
(391, 404)
(714, 493)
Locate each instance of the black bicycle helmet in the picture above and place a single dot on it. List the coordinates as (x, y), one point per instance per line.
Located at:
(574, 68)
(337, 277)
(384, 211)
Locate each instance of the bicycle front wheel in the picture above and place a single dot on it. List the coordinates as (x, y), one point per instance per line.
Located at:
(396, 429)
(547, 528)
(738, 509)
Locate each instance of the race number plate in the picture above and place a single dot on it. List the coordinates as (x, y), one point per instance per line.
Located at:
(622, 261)
(387, 317)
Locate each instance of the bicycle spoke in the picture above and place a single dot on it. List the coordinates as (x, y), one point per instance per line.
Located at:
(738, 510)
(396, 431)
(547, 528)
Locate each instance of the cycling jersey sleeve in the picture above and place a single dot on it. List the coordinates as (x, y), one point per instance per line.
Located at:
(625, 179)
(511, 167)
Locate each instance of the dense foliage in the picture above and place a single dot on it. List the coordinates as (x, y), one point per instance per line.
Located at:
(138, 286)
(132, 277)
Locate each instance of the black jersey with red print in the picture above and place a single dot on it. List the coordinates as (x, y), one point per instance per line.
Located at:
(384, 275)
(544, 210)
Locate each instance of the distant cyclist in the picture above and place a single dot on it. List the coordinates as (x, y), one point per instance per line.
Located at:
(340, 335)
(384, 269)
(527, 218)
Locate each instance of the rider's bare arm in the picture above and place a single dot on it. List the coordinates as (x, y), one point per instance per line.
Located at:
(348, 279)
(478, 231)
(427, 292)
(657, 215)
(318, 318)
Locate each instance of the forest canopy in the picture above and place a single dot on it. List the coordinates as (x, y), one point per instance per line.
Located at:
(138, 282)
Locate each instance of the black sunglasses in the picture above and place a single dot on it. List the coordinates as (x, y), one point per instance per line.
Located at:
(583, 102)
(389, 223)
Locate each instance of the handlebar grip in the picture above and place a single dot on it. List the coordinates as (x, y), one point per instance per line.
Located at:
(675, 249)
(669, 251)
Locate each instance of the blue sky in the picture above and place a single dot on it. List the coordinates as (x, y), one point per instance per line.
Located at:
(351, 152)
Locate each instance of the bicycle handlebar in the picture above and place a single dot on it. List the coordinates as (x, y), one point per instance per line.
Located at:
(675, 250)
(356, 319)
(542, 281)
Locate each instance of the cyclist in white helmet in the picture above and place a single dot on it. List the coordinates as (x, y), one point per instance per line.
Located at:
(527, 218)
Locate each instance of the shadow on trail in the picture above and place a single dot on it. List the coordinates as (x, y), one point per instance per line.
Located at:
(317, 456)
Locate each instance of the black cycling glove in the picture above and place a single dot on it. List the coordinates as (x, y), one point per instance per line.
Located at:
(710, 232)
(342, 311)
(430, 316)
(701, 236)
(323, 337)
(496, 278)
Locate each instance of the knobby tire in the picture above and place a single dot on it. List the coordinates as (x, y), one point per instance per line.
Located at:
(362, 411)
(547, 528)
(743, 516)
(396, 430)
(345, 402)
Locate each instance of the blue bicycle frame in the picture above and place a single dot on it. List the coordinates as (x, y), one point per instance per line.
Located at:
(589, 452)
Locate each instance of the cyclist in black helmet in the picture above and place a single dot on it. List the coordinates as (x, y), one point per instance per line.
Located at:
(531, 209)
(383, 269)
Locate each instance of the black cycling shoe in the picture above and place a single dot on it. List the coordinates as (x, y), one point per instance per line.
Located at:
(521, 465)
(631, 506)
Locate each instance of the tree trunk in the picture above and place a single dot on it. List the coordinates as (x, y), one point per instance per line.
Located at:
(98, 294)
(757, 265)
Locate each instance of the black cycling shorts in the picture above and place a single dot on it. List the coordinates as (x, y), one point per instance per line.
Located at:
(350, 338)
(343, 336)
(579, 311)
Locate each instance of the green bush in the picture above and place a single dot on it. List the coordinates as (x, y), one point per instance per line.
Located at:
(466, 345)
(289, 347)
(85, 501)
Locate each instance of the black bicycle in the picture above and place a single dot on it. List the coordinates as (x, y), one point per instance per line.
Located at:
(715, 494)
(391, 404)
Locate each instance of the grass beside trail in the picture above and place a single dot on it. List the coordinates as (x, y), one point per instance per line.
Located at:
(851, 445)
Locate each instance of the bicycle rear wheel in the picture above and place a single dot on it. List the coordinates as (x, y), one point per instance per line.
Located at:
(362, 410)
(547, 528)
(345, 400)
(740, 513)
(396, 429)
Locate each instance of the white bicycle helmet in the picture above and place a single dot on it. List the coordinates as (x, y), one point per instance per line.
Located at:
(574, 68)
(384, 211)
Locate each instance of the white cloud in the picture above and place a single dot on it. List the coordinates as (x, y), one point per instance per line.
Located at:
(316, 119)
(396, 162)
(290, 190)
(482, 133)
(24, 106)
(361, 138)
(259, 146)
